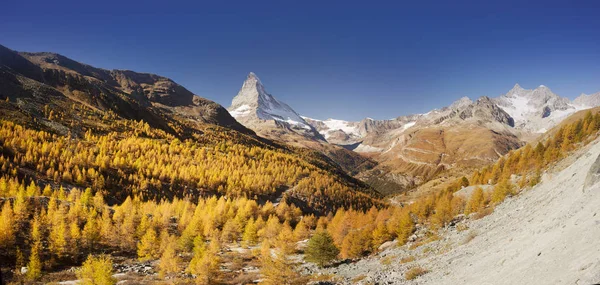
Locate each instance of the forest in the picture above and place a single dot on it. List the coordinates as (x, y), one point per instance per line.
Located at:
(189, 204)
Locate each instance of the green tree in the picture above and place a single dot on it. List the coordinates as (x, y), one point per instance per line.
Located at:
(321, 249)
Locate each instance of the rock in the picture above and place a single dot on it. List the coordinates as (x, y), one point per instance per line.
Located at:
(593, 175)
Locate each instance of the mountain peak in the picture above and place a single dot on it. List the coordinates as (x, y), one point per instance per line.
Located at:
(516, 89)
(463, 101)
(253, 102)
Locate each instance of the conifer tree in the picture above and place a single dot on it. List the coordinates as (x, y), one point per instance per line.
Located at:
(97, 271)
(34, 267)
(250, 236)
(147, 248)
(7, 231)
(406, 227)
(321, 249)
(168, 261)
(476, 201)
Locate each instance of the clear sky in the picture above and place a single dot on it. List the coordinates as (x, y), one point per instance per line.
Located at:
(340, 59)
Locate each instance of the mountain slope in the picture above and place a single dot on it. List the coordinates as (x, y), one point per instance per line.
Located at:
(129, 94)
(462, 136)
(120, 120)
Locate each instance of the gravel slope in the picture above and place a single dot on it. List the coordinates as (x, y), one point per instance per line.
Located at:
(546, 235)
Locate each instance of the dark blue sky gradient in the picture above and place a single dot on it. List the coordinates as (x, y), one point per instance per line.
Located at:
(340, 59)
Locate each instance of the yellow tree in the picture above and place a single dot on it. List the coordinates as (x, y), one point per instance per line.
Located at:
(148, 246)
(476, 201)
(7, 231)
(206, 260)
(405, 228)
(97, 271)
(250, 236)
(58, 237)
(34, 266)
(276, 268)
(380, 234)
(168, 260)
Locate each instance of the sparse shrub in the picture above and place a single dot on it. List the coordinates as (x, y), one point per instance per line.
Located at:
(470, 236)
(414, 273)
(462, 227)
(387, 261)
(407, 259)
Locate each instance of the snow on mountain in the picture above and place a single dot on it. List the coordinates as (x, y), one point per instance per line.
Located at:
(587, 101)
(336, 131)
(253, 102)
(536, 110)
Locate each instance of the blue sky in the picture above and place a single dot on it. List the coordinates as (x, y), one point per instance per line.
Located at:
(340, 59)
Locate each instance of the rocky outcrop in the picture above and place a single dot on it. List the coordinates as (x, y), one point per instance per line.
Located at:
(132, 95)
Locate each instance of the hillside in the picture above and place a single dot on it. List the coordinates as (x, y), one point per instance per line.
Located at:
(545, 235)
(143, 134)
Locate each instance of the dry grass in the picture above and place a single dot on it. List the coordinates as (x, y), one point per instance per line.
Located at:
(387, 261)
(431, 238)
(407, 259)
(415, 272)
(484, 212)
(462, 227)
(358, 278)
(470, 236)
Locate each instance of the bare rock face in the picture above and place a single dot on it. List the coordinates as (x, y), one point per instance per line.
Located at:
(593, 175)
(588, 101)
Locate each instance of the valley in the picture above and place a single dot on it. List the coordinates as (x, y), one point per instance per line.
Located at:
(129, 177)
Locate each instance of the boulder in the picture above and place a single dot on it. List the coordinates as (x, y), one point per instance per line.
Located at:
(593, 175)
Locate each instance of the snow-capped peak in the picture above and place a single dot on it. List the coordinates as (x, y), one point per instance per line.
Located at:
(253, 101)
(535, 109)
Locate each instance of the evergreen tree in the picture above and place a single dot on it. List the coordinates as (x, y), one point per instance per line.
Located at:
(321, 249)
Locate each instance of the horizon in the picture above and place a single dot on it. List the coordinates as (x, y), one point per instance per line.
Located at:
(379, 61)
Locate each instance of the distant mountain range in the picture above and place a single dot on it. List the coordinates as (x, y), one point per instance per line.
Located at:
(413, 149)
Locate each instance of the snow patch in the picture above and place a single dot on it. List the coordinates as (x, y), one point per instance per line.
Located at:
(367, 148)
